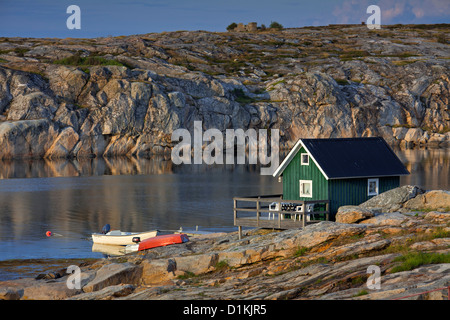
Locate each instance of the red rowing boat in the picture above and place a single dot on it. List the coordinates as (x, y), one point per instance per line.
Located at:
(158, 241)
(163, 240)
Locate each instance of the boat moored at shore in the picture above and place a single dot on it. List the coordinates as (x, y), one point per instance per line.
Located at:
(158, 241)
(120, 238)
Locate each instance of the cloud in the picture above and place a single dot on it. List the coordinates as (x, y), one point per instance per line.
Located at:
(389, 13)
(430, 8)
(400, 11)
(418, 12)
(348, 10)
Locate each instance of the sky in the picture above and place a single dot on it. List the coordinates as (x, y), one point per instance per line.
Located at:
(101, 18)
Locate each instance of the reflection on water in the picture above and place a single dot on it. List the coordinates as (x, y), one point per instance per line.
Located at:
(429, 168)
(111, 250)
(84, 167)
(75, 198)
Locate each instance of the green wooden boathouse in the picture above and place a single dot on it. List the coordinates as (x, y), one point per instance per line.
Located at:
(345, 171)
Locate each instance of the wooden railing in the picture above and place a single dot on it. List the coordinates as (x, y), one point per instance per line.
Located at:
(274, 212)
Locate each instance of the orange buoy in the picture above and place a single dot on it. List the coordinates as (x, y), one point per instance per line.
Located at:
(48, 233)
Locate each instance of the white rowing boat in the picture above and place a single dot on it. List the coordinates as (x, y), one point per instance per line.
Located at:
(117, 237)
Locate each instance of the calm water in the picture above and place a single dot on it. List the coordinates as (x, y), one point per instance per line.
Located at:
(163, 198)
(74, 198)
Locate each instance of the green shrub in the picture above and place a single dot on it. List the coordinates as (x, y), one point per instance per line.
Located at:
(232, 26)
(21, 51)
(276, 25)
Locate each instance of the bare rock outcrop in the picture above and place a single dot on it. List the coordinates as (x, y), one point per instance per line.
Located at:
(432, 200)
(126, 95)
(352, 214)
(392, 200)
(389, 208)
(27, 139)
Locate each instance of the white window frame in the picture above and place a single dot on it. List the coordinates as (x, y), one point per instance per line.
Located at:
(377, 184)
(311, 188)
(301, 159)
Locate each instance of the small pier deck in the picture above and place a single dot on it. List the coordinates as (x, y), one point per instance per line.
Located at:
(274, 212)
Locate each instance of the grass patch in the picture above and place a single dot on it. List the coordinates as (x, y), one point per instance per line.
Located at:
(440, 233)
(278, 82)
(361, 293)
(79, 106)
(359, 280)
(342, 82)
(19, 51)
(414, 260)
(187, 275)
(234, 66)
(353, 54)
(301, 251)
(222, 265)
(428, 26)
(403, 55)
(404, 62)
(445, 209)
(77, 60)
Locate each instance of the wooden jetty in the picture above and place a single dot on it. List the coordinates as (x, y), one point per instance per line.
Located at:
(274, 212)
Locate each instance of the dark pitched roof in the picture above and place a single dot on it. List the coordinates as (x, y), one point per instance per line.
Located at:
(349, 157)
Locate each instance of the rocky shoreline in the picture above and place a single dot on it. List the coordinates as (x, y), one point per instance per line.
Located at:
(81, 98)
(404, 232)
